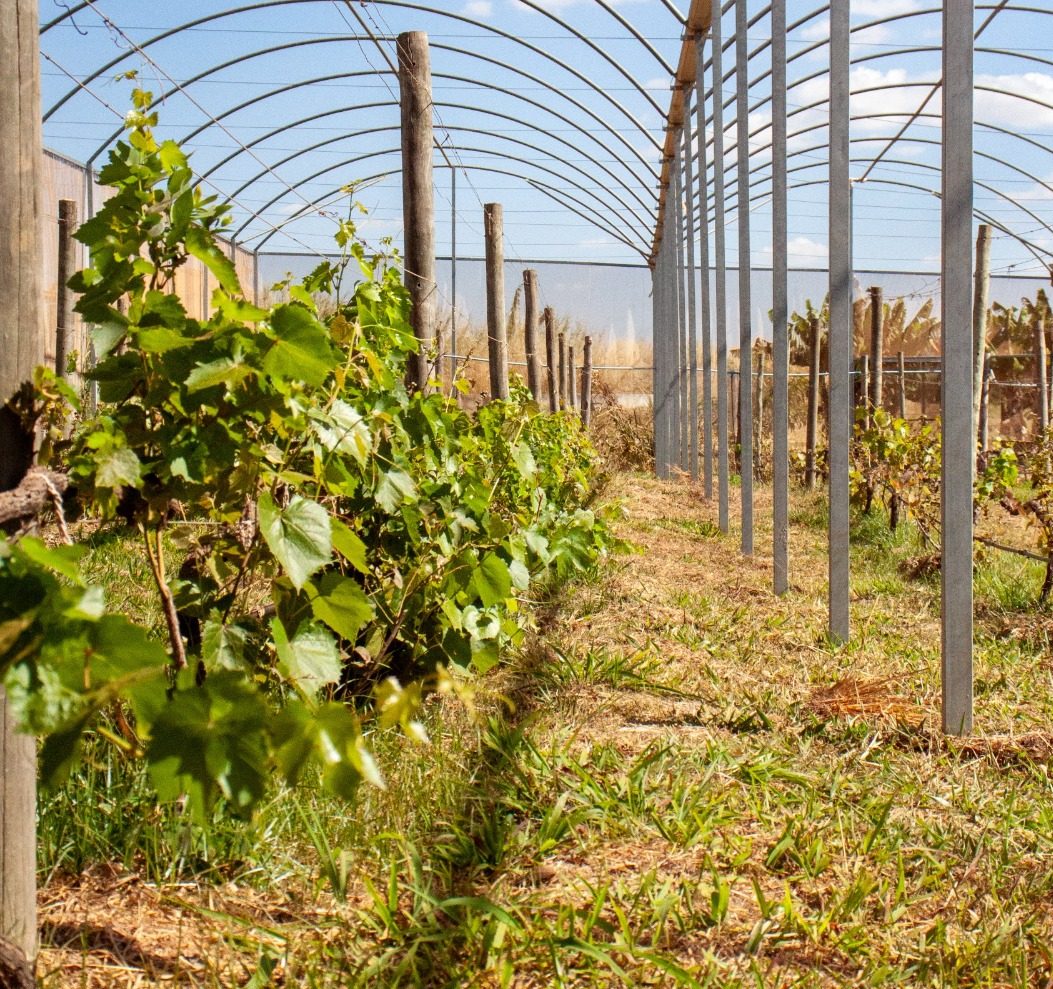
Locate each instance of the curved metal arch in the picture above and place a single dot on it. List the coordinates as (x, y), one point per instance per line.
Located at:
(911, 164)
(978, 213)
(470, 130)
(265, 4)
(618, 67)
(260, 97)
(397, 150)
(288, 46)
(630, 189)
(756, 169)
(318, 203)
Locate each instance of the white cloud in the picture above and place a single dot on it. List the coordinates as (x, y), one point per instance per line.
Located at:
(479, 8)
(883, 8)
(1007, 110)
(819, 31)
(800, 250)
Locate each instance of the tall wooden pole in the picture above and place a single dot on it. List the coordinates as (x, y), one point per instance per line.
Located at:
(877, 348)
(586, 382)
(552, 358)
(418, 197)
(1041, 380)
(22, 336)
(496, 328)
(572, 398)
(562, 342)
(813, 402)
(533, 357)
(901, 370)
(67, 265)
(981, 303)
(759, 405)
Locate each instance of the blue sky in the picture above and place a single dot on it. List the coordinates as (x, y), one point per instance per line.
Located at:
(555, 136)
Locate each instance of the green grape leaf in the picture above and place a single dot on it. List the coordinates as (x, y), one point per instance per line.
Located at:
(342, 605)
(300, 536)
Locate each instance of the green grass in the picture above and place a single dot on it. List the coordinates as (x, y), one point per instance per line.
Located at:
(649, 796)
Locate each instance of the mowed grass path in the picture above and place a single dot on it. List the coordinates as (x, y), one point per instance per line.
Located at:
(682, 782)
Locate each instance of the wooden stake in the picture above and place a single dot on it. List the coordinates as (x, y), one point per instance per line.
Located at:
(981, 302)
(985, 403)
(22, 336)
(572, 397)
(562, 371)
(758, 454)
(552, 357)
(586, 382)
(533, 358)
(877, 348)
(496, 328)
(418, 197)
(901, 370)
(1041, 384)
(813, 403)
(67, 265)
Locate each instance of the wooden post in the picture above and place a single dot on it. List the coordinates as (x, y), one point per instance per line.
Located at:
(1041, 384)
(758, 454)
(67, 265)
(902, 372)
(981, 303)
(418, 197)
(562, 343)
(496, 328)
(864, 385)
(22, 335)
(552, 357)
(586, 382)
(736, 413)
(533, 358)
(877, 348)
(813, 403)
(923, 382)
(572, 397)
(985, 403)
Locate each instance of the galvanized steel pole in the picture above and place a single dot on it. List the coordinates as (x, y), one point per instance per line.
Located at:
(692, 314)
(742, 89)
(840, 333)
(780, 306)
(721, 287)
(703, 264)
(959, 428)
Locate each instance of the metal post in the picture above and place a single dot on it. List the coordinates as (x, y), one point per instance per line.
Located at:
(453, 282)
(703, 265)
(742, 89)
(675, 213)
(959, 428)
(780, 309)
(692, 314)
(418, 197)
(533, 358)
(877, 348)
(497, 329)
(721, 287)
(840, 333)
(22, 336)
(67, 265)
(551, 357)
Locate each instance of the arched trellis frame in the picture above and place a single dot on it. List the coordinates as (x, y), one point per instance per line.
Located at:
(604, 174)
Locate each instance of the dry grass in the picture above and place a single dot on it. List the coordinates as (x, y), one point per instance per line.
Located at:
(691, 785)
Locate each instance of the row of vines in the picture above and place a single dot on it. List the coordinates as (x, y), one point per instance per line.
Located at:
(327, 548)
